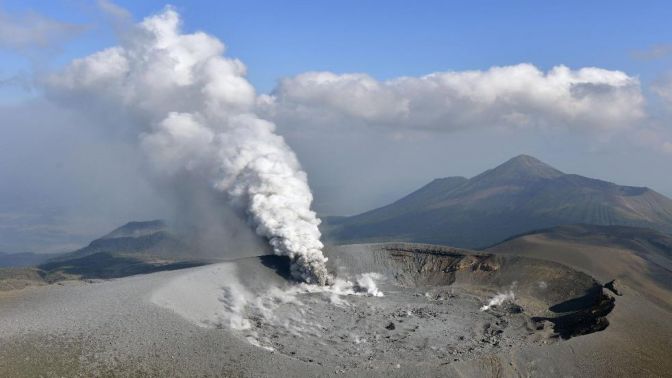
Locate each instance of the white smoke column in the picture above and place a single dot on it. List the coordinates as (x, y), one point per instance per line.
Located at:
(499, 299)
(192, 112)
(366, 283)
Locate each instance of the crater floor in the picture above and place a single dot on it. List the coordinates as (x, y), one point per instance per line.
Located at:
(243, 318)
(406, 325)
(426, 305)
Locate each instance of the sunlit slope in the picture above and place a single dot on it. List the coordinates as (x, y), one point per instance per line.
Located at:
(518, 196)
(638, 259)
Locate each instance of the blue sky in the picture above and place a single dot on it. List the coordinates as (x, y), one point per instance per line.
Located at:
(395, 38)
(64, 175)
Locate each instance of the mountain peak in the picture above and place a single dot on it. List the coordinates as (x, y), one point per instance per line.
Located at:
(525, 159)
(519, 196)
(524, 166)
(137, 229)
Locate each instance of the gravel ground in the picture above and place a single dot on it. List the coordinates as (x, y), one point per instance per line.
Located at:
(159, 325)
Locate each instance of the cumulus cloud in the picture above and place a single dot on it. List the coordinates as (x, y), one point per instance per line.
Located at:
(190, 110)
(24, 32)
(511, 96)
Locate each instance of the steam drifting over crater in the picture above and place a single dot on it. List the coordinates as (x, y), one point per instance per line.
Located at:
(191, 112)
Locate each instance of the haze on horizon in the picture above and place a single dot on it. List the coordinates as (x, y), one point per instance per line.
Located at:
(372, 111)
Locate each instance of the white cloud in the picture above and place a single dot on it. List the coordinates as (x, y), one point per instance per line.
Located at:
(510, 96)
(34, 31)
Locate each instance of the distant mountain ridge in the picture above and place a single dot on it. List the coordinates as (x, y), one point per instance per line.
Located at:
(137, 229)
(134, 248)
(519, 196)
(145, 238)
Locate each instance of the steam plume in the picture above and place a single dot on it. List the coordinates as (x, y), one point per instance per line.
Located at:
(191, 111)
(498, 300)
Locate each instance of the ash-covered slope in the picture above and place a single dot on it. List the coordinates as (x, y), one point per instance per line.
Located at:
(519, 196)
(427, 323)
(637, 258)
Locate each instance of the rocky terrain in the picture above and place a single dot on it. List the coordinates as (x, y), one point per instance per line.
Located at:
(638, 259)
(242, 318)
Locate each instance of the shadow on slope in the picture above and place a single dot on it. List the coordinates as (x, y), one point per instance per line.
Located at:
(108, 265)
(638, 258)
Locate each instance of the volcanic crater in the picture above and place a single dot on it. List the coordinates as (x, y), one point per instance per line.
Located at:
(439, 305)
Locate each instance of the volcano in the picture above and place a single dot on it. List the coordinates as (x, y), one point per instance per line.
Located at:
(519, 196)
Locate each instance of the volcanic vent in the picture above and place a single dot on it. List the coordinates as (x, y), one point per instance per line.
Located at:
(398, 303)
